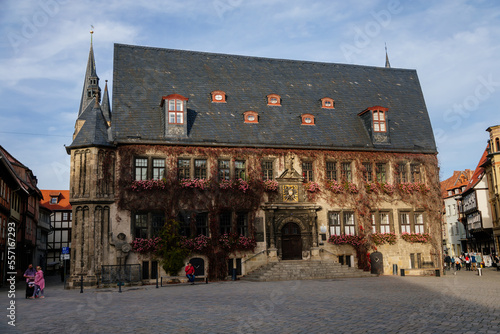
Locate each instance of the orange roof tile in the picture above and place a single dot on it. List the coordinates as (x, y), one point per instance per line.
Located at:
(63, 199)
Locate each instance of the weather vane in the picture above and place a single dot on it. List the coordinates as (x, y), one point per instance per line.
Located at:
(91, 32)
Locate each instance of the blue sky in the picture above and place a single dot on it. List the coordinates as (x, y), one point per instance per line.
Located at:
(453, 44)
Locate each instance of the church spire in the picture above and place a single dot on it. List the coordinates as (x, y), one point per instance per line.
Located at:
(387, 64)
(91, 88)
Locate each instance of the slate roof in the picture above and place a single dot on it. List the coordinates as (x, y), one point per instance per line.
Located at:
(142, 75)
(94, 131)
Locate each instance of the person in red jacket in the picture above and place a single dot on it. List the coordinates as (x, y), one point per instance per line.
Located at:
(190, 272)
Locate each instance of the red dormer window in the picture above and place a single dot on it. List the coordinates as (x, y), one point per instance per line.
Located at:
(251, 117)
(176, 105)
(327, 103)
(273, 100)
(379, 121)
(379, 118)
(307, 119)
(218, 96)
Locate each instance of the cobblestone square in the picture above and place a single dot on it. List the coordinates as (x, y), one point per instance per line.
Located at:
(461, 303)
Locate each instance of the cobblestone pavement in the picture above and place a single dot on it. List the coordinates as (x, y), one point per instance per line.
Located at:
(461, 303)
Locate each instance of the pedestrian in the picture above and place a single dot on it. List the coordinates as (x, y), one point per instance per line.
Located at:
(447, 262)
(39, 284)
(467, 262)
(29, 274)
(458, 264)
(190, 272)
(473, 261)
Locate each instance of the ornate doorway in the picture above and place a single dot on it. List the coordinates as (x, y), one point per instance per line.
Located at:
(291, 242)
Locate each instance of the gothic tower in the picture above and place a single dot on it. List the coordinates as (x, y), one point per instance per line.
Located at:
(92, 178)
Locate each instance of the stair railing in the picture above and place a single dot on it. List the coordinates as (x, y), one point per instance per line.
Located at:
(251, 257)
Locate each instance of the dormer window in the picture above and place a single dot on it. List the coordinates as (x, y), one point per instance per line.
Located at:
(176, 105)
(273, 100)
(307, 119)
(218, 96)
(251, 117)
(327, 103)
(378, 118)
(54, 199)
(379, 121)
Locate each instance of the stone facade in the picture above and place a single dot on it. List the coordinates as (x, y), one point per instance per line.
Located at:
(388, 186)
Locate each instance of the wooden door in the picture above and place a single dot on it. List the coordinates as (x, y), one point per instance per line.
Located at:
(291, 242)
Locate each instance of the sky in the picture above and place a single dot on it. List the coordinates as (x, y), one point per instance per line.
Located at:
(454, 45)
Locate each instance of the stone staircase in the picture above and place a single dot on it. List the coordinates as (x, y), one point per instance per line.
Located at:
(303, 269)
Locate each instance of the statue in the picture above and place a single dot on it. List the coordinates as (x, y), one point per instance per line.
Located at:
(122, 248)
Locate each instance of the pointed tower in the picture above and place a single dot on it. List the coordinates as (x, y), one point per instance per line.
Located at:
(92, 180)
(387, 64)
(91, 87)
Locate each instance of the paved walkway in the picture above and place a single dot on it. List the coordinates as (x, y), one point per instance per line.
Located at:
(462, 303)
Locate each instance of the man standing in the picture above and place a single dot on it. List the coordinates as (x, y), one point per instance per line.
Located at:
(447, 261)
(30, 273)
(190, 272)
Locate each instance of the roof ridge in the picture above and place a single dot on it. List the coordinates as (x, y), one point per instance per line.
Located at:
(262, 58)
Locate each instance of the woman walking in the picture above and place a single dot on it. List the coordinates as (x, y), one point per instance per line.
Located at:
(39, 283)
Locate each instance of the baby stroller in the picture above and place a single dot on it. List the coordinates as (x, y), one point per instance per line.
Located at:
(30, 288)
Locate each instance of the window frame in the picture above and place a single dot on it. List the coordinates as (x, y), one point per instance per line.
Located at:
(224, 175)
(379, 121)
(270, 98)
(401, 172)
(250, 113)
(380, 225)
(343, 224)
(183, 170)
(142, 168)
(326, 100)
(306, 117)
(308, 174)
(381, 175)
(200, 172)
(367, 171)
(267, 173)
(215, 93)
(346, 173)
(158, 172)
(225, 222)
(331, 173)
(240, 172)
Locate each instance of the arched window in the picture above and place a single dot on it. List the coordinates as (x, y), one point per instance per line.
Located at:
(327, 103)
(273, 100)
(497, 144)
(307, 119)
(251, 117)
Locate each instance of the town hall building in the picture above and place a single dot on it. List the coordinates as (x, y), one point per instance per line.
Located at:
(257, 160)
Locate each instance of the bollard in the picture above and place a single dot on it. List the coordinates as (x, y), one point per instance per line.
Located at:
(480, 271)
(157, 281)
(81, 283)
(234, 274)
(206, 280)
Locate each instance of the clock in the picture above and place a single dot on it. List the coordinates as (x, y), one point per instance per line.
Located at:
(290, 193)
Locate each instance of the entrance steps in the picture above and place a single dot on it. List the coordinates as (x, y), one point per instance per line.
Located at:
(302, 270)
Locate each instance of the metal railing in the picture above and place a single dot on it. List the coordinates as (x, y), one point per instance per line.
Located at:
(251, 257)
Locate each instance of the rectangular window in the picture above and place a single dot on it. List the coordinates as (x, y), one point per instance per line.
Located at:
(379, 121)
(367, 171)
(307, 171)
(402, 174)
(183, 168)
(415, 173)
(202, 224)
(175, 111)
(223, 170)
(349, 227)
(380, 222)
(334, 221)
(184, 225)
(242, 223)
(141, 169)
(158, 169)
(200, 169)
(225, 222)
(331, 170)
(141, 225)
(239, 170)
(419, 222)
(404, 221)
(346, 173)
(267, 170)
(157, 222)
(385, 226)
(380, 172)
